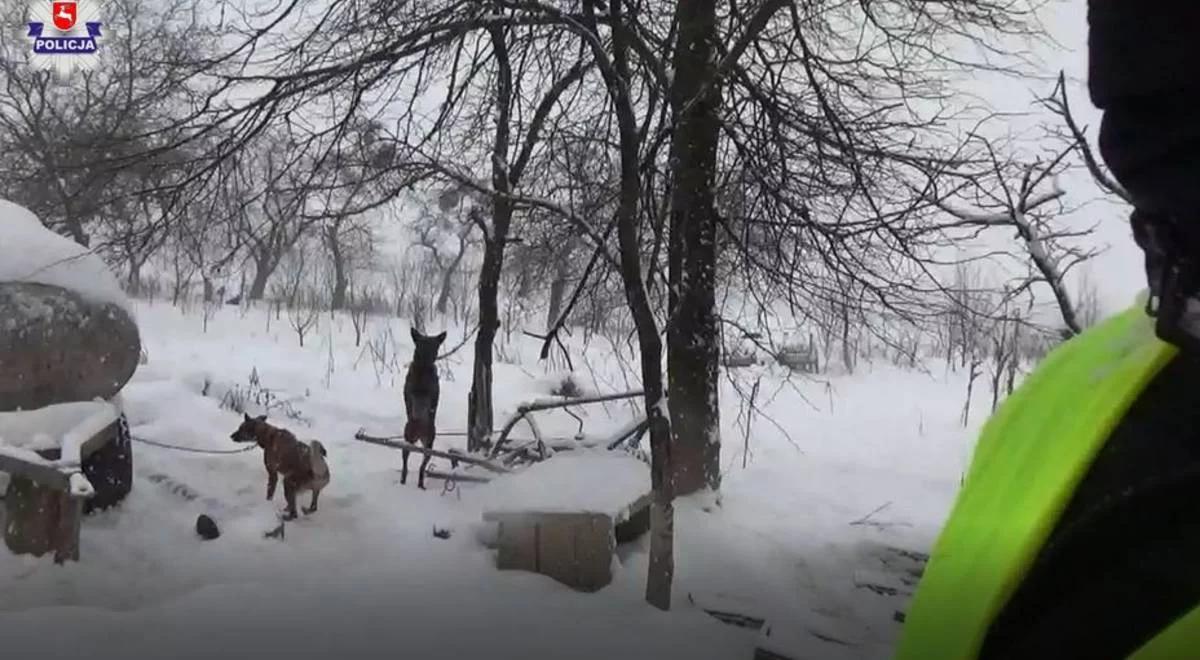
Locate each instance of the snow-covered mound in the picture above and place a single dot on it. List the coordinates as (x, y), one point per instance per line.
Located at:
(31, 253)
(584, 481)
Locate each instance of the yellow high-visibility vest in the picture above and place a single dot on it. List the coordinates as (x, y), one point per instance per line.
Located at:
(1030, 457)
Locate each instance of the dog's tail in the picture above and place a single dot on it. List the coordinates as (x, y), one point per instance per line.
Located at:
(317, 454)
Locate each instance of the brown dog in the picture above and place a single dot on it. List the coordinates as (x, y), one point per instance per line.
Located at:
(421, 391)
(303, 466)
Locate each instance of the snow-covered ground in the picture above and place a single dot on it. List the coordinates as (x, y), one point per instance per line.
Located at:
(792, 538)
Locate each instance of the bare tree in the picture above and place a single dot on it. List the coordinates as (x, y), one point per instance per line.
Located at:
(1023, 197)
(436, 230)
(273, 183)
(304, 313)
(69, 150)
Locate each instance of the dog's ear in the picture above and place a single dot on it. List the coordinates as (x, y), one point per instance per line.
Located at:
(261, 418)
(247, 416)
(440, 337)
(416, 336)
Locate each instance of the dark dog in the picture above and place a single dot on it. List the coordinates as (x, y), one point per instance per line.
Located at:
(421, 392)
(303, 466)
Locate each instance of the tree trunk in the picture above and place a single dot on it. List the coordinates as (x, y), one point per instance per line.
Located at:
(134, 285)
(448, 275)
(847, 347)
(693, 344)
(75, 229)
(479, 406)
(480, 415)
(558, 286)
(264, 265)
(341, 281)
(661, 572)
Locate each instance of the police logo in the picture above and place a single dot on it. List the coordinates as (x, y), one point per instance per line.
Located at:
(65, 35)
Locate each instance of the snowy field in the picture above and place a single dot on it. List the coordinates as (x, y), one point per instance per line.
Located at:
(806, 533)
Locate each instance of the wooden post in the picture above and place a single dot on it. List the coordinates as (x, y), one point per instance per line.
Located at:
(66, 533)
(32, 521)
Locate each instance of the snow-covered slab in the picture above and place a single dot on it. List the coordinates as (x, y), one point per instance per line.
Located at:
(577, 482)
(31, 253)
(68, 427)
(63, 426)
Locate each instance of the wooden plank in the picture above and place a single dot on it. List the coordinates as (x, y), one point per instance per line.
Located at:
(593, 553)
(105, 436)
(556, 549)
(33, 521)
(576, 549)
(455, 476)
(633, 523)
(576, 401)
(517, 546)
(461, 458)
(70, 517)
(44, 475)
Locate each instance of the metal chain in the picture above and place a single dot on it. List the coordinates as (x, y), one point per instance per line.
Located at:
(193, 449)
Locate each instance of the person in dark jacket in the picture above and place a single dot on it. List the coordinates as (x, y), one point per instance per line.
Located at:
(1077, 531)
(1144, 74)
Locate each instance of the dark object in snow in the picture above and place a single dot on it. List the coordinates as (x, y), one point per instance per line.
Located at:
(725, 613)
(110, 470)
(878, 589)
(736, 619)
(207, 528)
(441, 533)
(634, 525)
(278, 532)
(57, 347)
(898, 616)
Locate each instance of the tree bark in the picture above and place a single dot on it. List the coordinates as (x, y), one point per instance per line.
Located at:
(341, 281)
(449, 272)
(134, 283)
(558, 286)
(616, 76)
(693, 335)
(479, 406)
(264, 265)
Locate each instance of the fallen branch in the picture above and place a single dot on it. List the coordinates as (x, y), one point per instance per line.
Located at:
(867, 518)
(461, 458)
(736, 619)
